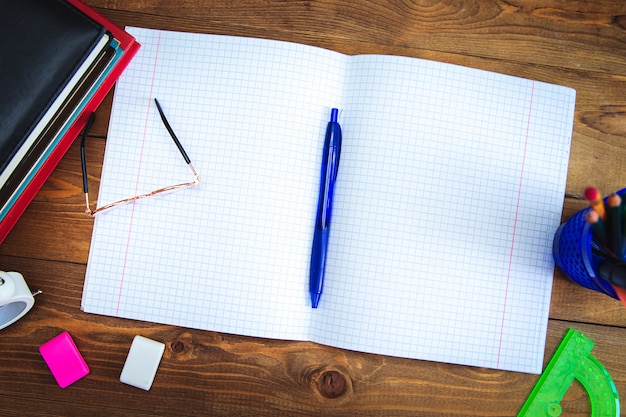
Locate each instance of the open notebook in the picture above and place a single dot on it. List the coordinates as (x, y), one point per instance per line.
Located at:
(450, 188)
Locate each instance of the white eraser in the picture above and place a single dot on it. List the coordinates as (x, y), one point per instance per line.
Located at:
(142, 362)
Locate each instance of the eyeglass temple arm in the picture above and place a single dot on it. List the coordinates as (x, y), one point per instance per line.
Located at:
(83, 158)
(176, 141)
(171, 132)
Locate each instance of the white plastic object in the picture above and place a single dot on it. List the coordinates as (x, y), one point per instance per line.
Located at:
(142, 362)
(15, 298)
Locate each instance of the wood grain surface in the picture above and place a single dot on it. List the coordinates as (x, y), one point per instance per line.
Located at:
(580, 44)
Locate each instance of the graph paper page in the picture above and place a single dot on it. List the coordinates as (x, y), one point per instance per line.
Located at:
(231, 254)
(450, 189)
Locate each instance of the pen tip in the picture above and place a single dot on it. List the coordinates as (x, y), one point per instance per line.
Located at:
(315, 300)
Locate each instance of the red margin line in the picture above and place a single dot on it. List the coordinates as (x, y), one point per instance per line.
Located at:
(143, 141)
(519, 196)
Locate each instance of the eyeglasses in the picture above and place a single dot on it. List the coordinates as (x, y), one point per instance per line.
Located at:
(196, 177)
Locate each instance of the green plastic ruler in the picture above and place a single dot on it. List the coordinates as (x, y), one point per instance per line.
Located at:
(573, 360)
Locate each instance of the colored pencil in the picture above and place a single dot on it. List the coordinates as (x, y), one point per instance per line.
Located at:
(614, 215)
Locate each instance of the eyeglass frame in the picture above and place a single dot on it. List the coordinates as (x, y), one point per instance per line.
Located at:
(158, 191)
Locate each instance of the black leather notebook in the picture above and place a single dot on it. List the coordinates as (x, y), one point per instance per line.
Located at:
(45, 45)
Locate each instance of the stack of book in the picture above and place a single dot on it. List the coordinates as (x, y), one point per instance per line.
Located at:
(59, 60)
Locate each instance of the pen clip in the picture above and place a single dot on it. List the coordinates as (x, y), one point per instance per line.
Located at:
(332, 168)
(336, 148)
(329, 184)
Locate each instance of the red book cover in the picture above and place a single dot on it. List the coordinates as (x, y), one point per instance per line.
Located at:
(129, 46)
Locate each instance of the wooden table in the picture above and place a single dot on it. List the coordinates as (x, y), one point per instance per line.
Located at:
(573, 43)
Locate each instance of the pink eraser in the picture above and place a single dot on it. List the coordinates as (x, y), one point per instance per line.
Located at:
(64, 360)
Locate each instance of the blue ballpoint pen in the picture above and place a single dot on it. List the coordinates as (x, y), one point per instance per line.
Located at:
(330, 165)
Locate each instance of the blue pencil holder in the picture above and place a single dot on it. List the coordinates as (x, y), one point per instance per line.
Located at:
(572, 251)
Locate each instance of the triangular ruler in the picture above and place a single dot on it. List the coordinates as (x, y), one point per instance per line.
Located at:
(573, 360)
